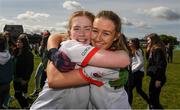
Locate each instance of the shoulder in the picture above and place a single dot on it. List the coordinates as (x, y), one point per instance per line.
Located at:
(69, 43)
(158, 51)
(139, 52)
(28, 53)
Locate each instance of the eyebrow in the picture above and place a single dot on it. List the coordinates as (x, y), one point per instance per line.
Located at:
(104, 30)
(83, 27)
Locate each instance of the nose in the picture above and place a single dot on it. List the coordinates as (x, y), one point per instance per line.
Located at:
(99, 38)
(82, 32)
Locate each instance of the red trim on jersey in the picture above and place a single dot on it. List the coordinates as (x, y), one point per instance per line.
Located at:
(89, 56)
(92, 81)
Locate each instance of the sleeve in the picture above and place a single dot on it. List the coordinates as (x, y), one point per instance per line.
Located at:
(71, 53)
(62, 62)
(29, 65)
(140, 61)
(160, 61)
(60, 58)
(99, 76)
(81, 54)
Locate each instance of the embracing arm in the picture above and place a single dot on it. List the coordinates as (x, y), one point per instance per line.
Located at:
(54, 40)
(56, 79)
(111, 59)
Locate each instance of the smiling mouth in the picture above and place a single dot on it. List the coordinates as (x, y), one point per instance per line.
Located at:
(84, 41)
(99, 44)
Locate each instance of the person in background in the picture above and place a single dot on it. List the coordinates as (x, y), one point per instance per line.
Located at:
(40, 75)
(23, 70)
(169, 50)
(6, 70)
(36, 48)
(11, 47)
(156, 68)
(11, 43)
(137, 70)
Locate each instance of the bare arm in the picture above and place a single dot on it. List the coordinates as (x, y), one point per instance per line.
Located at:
(56, 79)
(112, 59)
(54, 40)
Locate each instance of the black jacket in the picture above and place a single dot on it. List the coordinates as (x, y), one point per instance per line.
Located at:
(158, 58)
(24, 66)
(6, 72)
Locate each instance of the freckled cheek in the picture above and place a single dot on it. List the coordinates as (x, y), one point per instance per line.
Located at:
(94, 36)
(89, 34)
(75, 34)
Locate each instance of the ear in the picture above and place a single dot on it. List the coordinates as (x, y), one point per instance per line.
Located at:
(117, 36)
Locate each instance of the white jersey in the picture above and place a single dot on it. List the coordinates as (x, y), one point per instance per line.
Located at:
(78, 52)
(98, 75)
(70, 98)
(106, 97)
(102, 95)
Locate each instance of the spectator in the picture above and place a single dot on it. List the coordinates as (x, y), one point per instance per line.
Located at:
(156, 68)
(11, 43)
(137, 69)
(6, 70)
(169, 50)
(24, 68)
(40, 75)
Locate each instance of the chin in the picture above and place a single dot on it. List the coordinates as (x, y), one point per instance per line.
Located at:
(98, 46)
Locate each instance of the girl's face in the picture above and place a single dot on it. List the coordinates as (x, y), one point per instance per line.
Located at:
(131, 45)
(103, 33)
(148, 40)
(81, 29)
(19, 44)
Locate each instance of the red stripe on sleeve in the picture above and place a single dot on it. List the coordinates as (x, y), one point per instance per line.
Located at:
(89, 56)
(92, 81)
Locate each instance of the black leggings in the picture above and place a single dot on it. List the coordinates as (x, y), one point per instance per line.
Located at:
(154, 94)
(4, 92)
(135, 80)
(19, 90)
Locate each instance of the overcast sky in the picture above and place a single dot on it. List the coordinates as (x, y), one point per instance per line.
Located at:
(140, 17)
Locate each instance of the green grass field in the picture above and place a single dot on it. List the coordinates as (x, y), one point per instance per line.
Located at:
(170, 95)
